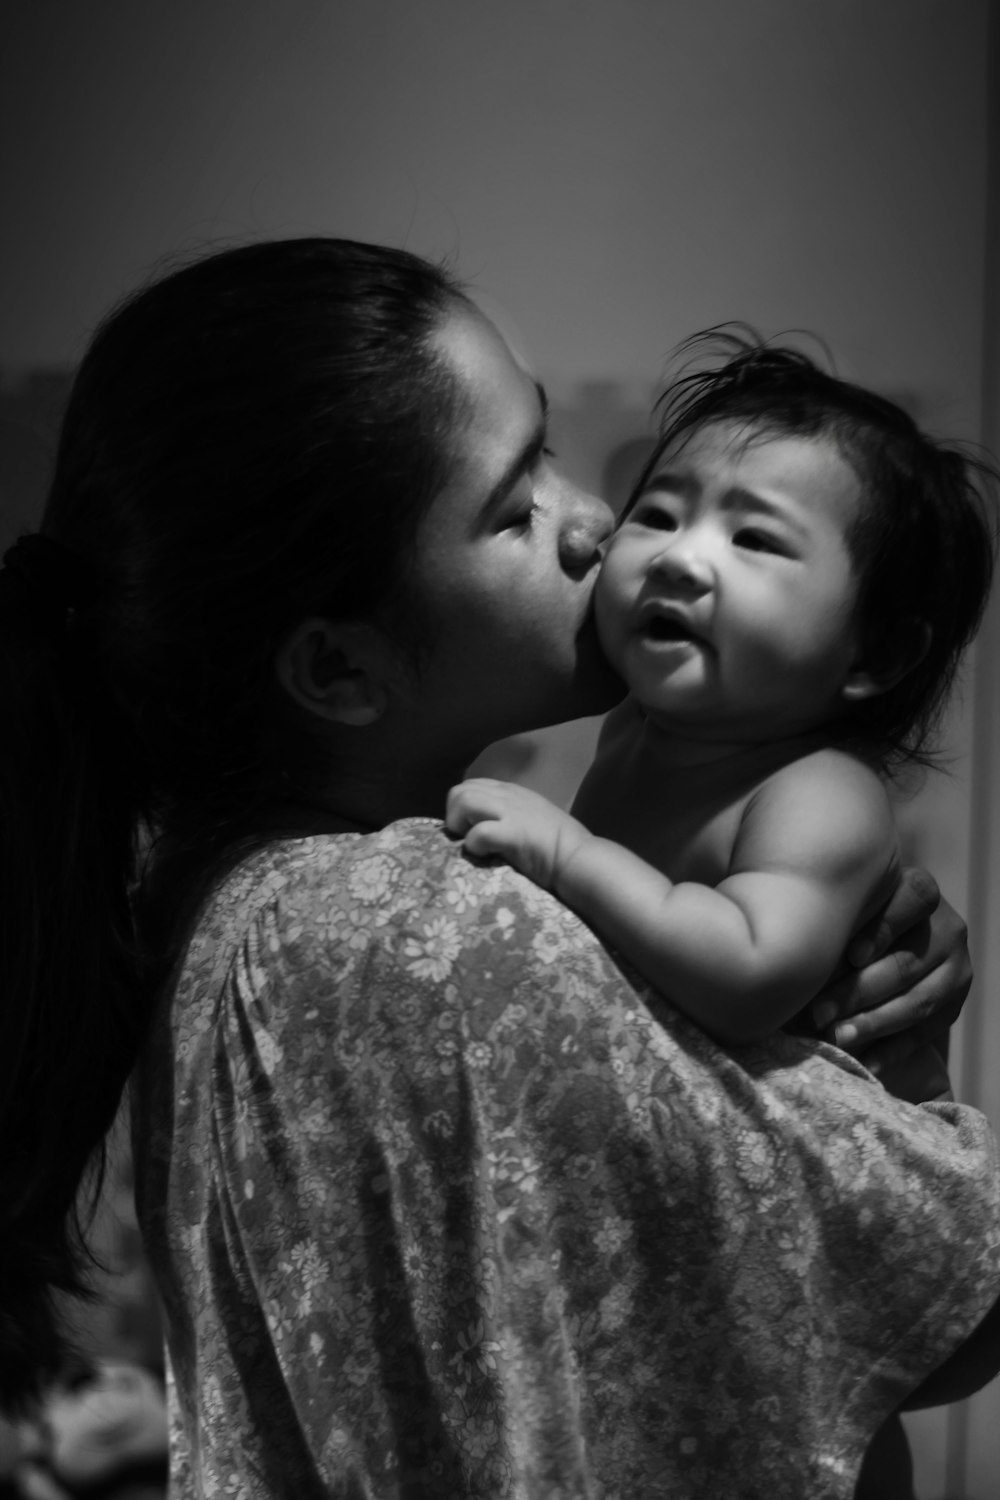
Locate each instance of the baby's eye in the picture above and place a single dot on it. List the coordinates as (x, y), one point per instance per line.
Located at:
(752, 539)
(654, 516)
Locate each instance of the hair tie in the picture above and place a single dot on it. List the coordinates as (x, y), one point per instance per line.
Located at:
(42, 576)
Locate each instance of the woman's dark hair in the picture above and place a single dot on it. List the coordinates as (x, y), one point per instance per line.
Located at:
(923, 543)
(251, 439)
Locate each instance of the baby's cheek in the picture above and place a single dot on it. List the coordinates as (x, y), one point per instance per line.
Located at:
(615, 589)
(607, 607)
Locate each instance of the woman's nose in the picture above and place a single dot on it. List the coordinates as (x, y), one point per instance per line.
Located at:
(586, 527)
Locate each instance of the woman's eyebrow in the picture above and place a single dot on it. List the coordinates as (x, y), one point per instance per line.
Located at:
(527, 455)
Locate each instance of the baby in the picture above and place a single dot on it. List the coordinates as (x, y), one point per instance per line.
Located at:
(787, 596)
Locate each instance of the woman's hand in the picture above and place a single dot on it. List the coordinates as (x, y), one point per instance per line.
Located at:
(913, 974)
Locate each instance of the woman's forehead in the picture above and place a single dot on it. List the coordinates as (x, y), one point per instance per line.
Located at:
(500, 407)
(489, 373)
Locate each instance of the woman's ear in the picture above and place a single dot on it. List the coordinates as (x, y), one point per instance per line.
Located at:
(339, 670)
(900, 650)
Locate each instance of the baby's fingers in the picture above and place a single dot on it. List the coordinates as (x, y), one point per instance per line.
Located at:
(477, 813)
(486, 841)
(469, 803)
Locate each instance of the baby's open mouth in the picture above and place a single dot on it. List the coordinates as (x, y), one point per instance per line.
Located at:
(664, 628)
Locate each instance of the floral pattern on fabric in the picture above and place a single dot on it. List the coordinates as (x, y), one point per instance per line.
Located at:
(443, 1202)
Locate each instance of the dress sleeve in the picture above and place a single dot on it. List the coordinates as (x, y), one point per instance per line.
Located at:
(512, 1226)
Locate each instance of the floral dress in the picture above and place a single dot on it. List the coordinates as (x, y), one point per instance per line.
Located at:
(443, 1202)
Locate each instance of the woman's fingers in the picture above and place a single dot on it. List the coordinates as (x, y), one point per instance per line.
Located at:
(921, 1013)
(888, 997)
(915, 899)
(921, 981)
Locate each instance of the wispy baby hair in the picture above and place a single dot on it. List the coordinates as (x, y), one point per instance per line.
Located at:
(923, 544)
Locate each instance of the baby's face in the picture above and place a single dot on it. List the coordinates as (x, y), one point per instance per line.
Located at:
(727, 595)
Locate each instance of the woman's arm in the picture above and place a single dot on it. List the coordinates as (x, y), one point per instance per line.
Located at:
(973, 1364)
(871, 1220)
(864, 1153)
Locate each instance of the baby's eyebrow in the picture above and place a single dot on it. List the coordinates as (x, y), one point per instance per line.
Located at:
(674, 482)
(749, 502)
(663, 482)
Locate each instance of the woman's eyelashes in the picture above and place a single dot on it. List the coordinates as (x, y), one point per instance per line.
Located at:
(529, 505)
(524, 509)
(527, 515)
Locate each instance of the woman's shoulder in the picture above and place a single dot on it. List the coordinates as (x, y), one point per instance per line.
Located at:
(414, 857)
(354, 890)
(350, 932)
(298, 868)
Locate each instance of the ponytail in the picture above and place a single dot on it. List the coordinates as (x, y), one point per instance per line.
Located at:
(69, 976)
(252, 439)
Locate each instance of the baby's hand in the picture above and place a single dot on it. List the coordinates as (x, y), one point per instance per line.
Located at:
(525, 829)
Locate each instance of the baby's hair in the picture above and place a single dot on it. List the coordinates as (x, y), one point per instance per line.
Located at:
(923, 545)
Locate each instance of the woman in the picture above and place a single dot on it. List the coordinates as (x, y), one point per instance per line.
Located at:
(439, 1199)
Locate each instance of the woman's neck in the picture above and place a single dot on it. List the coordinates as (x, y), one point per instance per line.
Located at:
(359, 799)
(186, 861)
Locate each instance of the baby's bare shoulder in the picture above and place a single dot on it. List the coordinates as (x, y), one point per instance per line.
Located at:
(828, 798)
(836, 770)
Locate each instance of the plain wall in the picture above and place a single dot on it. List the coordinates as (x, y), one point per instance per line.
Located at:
(617, 173)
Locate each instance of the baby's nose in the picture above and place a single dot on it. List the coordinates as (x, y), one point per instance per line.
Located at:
(684, 565)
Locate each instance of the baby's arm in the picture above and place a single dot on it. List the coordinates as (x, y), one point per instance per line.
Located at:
(816, 848)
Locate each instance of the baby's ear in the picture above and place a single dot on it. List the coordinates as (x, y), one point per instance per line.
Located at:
(888, 662)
